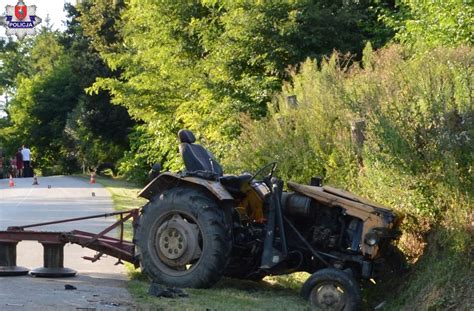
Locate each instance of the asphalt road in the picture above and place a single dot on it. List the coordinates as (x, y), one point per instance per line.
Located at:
(100, 285)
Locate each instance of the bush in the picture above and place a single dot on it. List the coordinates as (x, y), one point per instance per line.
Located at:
(419, 127)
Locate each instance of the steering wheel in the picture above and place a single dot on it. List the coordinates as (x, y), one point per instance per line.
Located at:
(273, 166)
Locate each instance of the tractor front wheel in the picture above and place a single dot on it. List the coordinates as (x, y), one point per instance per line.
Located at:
(332, 289)
(182, 239)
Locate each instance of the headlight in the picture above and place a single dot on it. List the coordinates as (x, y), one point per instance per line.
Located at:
(371, 239)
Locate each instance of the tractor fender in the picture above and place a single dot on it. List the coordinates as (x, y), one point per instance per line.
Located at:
(170, 180)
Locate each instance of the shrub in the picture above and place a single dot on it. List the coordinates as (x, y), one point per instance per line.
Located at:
(418, 151)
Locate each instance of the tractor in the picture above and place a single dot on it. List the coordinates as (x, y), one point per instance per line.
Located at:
(200, 225)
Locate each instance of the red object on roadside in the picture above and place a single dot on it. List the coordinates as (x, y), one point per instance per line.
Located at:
(11, 183)
(92, 180)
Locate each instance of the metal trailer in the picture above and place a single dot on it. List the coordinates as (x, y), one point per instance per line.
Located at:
(53, 245)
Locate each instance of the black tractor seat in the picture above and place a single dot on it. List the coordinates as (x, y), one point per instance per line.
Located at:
(199, 162)
(197, 159)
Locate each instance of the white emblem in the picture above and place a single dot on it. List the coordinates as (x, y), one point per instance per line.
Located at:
(20, 27)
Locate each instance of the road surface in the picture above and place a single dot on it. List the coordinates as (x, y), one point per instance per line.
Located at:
(100, 285)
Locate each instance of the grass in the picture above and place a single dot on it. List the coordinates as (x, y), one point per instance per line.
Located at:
(124, 194)
(228, 294)
(273, 293)
(442, 279)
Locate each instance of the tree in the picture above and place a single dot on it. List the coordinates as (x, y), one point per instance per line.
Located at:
(201, 64)
(49, 109)
(427, 24)
(96, 130)
(43, 98)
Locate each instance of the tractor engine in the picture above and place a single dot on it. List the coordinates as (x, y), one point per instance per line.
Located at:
(326, 228)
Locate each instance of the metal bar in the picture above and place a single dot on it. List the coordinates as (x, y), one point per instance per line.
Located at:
(110, 228)
(131, 212)
(121, 228)
(267, 254)
(86, 237)
(277, 189)
(301, 237)
(95, 258)
(125, 253)
(42, 236)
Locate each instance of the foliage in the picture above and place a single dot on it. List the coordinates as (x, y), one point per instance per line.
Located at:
(96, 130)
(442, 278)
(49, 110)
(12, 60)
(419, 124)
(45, 94)
(417, 156)
(200, 64)
(428, 24)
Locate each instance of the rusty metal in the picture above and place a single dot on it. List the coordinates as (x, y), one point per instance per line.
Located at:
(168, 180)
(45, 236)
(53, 242)
(177, 242)
(110, 228)
(119, 249)
(133, 211)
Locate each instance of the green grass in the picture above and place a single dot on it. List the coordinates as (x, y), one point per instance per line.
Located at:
(442, 279)
(124, 194)
(228, 294)
(273, 293)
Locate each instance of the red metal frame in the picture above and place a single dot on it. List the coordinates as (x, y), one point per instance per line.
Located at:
(118, 248)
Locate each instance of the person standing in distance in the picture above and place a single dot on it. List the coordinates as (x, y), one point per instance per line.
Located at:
(26, 153)
(13, 167)
(19, 162)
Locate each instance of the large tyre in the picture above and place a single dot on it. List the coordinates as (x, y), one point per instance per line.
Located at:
(182, 239)
(332, 289)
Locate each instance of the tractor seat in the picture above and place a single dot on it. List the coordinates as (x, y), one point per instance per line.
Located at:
(197, 159)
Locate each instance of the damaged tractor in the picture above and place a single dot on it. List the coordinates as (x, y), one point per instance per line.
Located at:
(200, 225)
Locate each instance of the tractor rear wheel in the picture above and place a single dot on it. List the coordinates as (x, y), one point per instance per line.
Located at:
(182, 239)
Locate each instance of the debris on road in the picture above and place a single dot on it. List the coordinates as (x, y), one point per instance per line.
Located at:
(69, 287)
(159, 290)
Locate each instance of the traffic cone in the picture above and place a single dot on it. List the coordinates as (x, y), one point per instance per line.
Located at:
(35, 181)
(92, 180)
(11, 183)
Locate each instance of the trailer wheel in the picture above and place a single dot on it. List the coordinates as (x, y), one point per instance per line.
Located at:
(182, 240)
(332, 289)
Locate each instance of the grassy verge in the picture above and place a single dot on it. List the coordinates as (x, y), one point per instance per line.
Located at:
(442, 279)
(273, 293)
